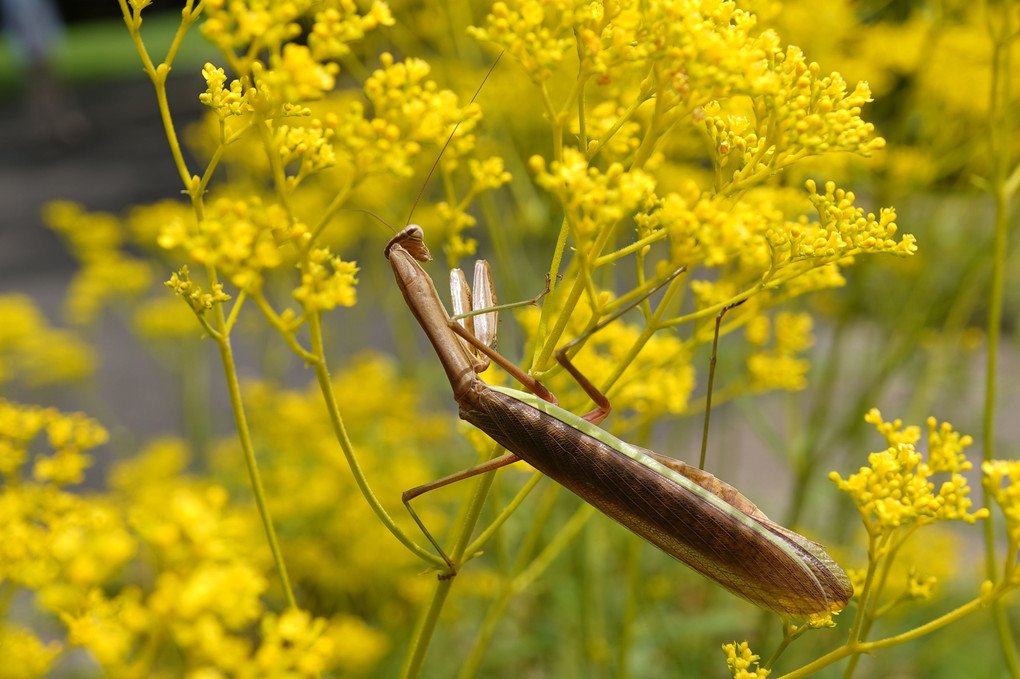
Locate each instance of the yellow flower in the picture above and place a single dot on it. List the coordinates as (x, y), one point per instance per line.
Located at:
(234, 26)
(742, 663)
(295, 644)
(225, 101)
(594, 200)
(341, 24)
(107, 272)
(896, 490)
(778, 366)
(25, 655)
(538, 35)
(295, 76)
(199, 301)
(35, 353)
(108, 627)
(1002, 481)
(326, 287)
(308, 145)
(69, 436)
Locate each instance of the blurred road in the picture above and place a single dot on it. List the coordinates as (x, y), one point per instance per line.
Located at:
(124, 160)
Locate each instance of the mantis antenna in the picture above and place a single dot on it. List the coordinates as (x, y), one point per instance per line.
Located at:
(439, 157)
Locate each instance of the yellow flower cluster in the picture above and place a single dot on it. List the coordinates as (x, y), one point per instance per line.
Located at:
(224, 101)
(702, 49)
(537, 34)
(60, 545)
(106, 272)
(485, 175)
(896, 488)
(778, 366)
(70, 436)
(239, 26)
(1002, 482)
(307, 145)
(238, 237)
(34, 352)
(328, 282)
(207, 558)
(207, 596)
(804, 252)
(843, 229)
(607, 122)
(340, 24)
(793, 113)
(920, 587)
(742, 663)
(293, 77)
(197, 299)
(25, 655)
(704, 230)
(699, 45)
(295, 644)
(409, 110)
(108, 627)
(595, 201)
(253, 24)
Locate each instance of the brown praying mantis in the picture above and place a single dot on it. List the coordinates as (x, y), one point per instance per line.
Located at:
(686, 512)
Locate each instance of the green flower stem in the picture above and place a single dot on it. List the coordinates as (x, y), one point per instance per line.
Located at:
(553, 278)
(334, 206)
(285, 330)
(340, 430)
(214, 162)
(498, 606)
(426, 629)
(550, 340)
(1000, 131)
(527, 575)
(563, 538)
(220, 333)
(244, 437)
(625, 117)
(861, 648)
(651, 327)
(789, 635)
(511, 507)
(628, 623)
(486, 631)
(634, 248)
(582, 80)
(582, 282)
(654, 129)
(158, 74)
(863, 602)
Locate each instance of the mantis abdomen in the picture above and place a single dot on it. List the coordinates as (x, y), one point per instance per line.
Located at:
(748, 554)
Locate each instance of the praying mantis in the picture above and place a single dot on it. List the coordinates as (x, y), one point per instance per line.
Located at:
(686, 512)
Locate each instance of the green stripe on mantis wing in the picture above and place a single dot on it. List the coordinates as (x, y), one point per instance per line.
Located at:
(817, 584)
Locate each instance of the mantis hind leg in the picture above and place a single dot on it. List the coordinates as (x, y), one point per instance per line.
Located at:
(488, 466)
